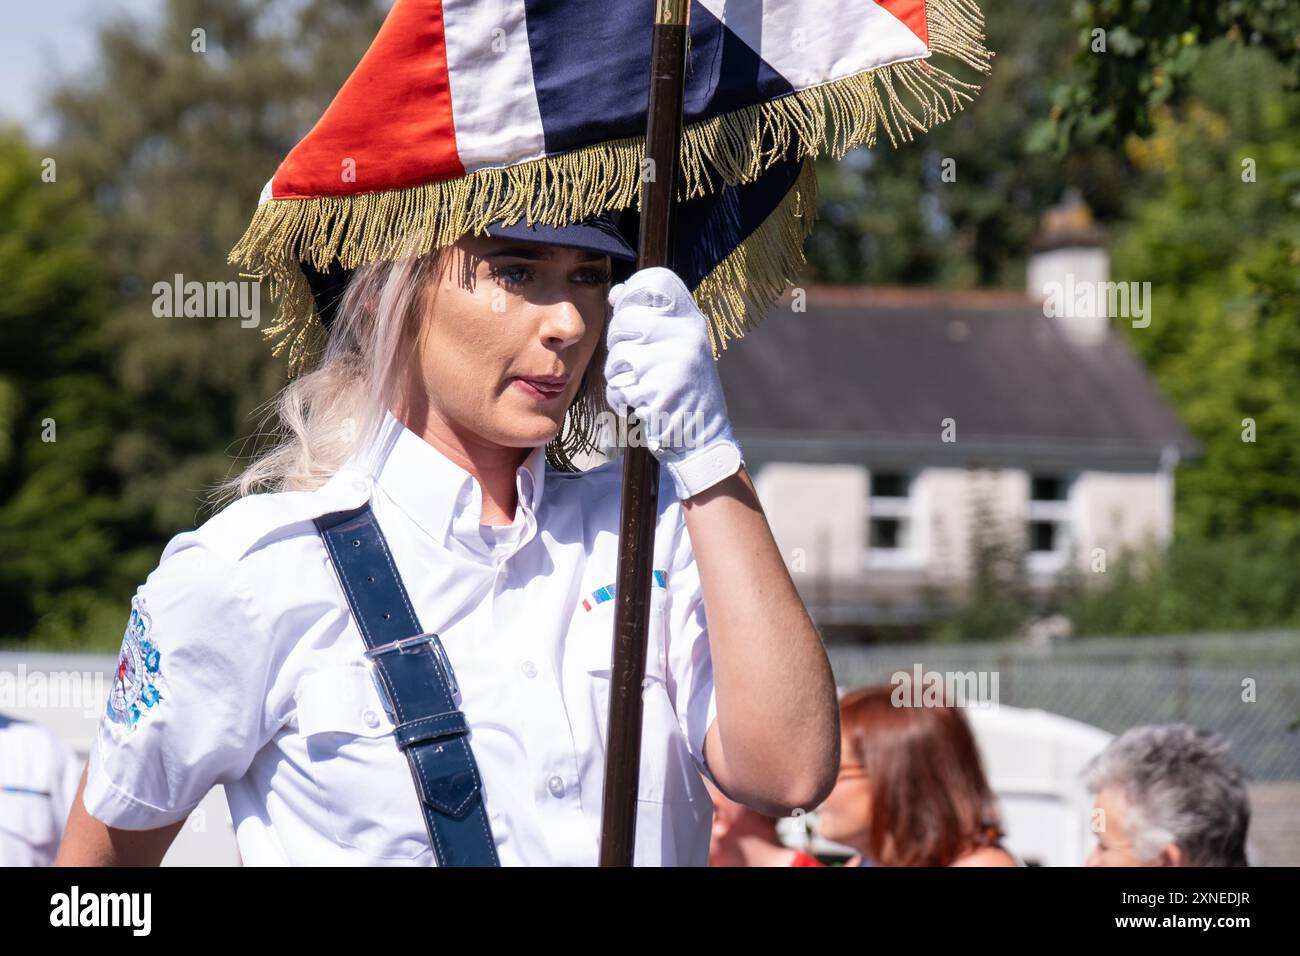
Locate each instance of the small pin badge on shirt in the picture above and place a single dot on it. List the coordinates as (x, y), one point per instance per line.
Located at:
(601, 595)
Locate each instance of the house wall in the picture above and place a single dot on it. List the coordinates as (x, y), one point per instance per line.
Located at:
(1116, 509)
(954, 495)
(819, 515)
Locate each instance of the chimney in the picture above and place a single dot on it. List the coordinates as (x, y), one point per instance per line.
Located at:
(1069, 269)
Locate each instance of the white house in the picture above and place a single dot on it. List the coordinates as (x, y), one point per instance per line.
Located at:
(885, 426)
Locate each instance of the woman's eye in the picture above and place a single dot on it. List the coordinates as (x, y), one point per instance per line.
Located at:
(512, 275)
(518, 275)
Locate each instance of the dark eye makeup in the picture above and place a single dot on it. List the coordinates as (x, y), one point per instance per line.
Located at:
(517, 275)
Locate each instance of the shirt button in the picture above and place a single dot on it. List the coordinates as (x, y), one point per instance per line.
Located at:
(556, 786)
(371, 718)
(529, 669)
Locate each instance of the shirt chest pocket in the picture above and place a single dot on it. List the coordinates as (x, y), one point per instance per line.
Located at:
(666, 765)
(364, 780)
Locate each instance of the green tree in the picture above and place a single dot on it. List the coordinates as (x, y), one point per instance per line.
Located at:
(176, 132)
(1134, 57)
(959, 206)
(1216, 233)
(1239, 582)
(60, 522)
(171, 137)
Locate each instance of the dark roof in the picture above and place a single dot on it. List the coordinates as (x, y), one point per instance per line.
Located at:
(888, 365)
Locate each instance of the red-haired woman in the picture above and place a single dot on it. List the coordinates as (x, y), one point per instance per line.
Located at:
(911, 790)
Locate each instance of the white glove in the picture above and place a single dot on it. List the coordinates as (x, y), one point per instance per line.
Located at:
(661, 368)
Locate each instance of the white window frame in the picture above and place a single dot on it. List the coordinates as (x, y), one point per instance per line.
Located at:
(911, 510)
(1060, 513)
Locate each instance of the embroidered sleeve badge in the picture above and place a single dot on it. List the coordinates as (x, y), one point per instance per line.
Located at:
(135, 684)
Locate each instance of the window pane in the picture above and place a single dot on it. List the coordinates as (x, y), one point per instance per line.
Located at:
(1047, 488)
(1042, 536)
(885, 532)
(888, 484)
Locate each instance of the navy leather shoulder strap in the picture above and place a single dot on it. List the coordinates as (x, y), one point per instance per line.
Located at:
(417, 686)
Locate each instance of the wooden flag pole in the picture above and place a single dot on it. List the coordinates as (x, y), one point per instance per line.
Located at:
(640, 469)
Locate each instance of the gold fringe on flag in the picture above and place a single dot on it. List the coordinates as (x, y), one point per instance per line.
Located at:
(738, 291)
(899, 98)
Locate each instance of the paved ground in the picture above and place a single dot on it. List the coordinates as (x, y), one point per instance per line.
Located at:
(1275, 823)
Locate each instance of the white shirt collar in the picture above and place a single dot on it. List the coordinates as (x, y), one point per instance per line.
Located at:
(444, 499)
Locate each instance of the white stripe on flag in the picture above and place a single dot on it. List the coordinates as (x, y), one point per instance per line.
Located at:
(814, 41)
(493, 101)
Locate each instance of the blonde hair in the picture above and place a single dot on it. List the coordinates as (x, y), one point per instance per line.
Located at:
(324, 415)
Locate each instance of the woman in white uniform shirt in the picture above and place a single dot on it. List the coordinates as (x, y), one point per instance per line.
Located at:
(243, 666)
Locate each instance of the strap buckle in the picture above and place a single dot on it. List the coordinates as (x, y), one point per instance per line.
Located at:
(408, 645)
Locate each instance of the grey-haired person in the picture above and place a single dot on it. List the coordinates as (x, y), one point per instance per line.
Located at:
(1168, 795)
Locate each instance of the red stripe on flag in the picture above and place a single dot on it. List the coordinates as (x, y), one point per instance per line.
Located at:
(911, 13)
(392, 117)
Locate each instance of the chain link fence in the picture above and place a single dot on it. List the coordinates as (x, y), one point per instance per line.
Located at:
(1244, 686)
